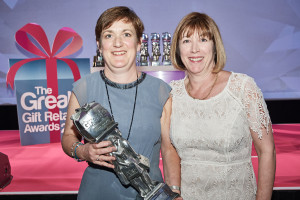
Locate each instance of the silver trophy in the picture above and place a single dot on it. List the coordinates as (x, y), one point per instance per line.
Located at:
(144, 51)
(166, 40)
(95, 124)
(155, 41)
(98, 60)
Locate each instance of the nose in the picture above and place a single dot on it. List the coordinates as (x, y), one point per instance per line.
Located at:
(195, 47)
(118, 42)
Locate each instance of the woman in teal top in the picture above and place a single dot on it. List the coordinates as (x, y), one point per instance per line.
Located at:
(134, 99)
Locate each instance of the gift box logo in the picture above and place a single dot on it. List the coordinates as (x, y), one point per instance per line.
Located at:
(66, 43)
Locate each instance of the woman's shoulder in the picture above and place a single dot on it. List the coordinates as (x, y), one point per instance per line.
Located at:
(93, 75)
(157, 89)
(153, 78)
(177, 88)
(239, 79)
(176, 83)
(240, 76)
(153, 81)
(240, 83)
(88, 79)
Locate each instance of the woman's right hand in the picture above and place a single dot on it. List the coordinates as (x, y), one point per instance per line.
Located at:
(99, 153)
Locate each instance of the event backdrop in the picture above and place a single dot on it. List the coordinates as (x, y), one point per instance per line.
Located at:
(261, 38)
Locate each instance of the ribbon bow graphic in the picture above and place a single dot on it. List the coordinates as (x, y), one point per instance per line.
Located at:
(62, 36)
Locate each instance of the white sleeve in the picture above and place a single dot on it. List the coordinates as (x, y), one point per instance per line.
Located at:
(256, 108)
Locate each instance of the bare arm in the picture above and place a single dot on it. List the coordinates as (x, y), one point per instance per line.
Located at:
(171, 160)
(95, 153)
(265, 149)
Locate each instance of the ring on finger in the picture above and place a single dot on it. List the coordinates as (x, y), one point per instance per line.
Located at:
(98, 159)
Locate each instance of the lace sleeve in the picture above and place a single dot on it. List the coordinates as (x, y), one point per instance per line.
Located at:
(176, 86)
(172, 88)
(256, 108)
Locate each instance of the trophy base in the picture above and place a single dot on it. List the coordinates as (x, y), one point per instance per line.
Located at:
(155, 63)
(160, 192)
(144, 64)
(165, 63)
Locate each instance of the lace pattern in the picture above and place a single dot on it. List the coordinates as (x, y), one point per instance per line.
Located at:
(214, 141)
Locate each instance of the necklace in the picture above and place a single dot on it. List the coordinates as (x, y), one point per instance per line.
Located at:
(136, 90)
(213, 85)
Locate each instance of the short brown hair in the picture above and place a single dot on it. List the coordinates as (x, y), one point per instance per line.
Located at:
(205, 26)
(111, 15)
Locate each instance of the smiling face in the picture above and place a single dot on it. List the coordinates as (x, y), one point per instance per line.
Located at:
(119, 45)
(197, 52)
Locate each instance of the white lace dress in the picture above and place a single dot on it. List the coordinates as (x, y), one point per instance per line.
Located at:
(213, 139)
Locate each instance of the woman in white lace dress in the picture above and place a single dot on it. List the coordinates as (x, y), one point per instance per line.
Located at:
(215, 115)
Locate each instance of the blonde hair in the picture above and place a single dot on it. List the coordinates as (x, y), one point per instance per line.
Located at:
(204, 25)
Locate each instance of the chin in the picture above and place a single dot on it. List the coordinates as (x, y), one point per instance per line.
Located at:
(195, 70)
(120, 65)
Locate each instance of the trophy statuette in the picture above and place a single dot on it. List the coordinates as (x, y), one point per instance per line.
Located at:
(95, 124)
(166, 40)
(144, 51)
(155, 41)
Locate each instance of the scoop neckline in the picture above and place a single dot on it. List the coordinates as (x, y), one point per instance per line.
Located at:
(211, 98)
(121, 85)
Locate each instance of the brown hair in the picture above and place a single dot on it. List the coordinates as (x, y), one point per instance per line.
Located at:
(204, 25)
(114, 14)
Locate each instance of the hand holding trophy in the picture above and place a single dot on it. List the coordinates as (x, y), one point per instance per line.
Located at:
(95, 124)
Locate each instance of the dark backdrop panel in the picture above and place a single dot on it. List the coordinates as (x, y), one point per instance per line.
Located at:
(284, 111)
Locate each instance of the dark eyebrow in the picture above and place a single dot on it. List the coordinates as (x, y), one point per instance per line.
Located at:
(110, 31)
(106, 31)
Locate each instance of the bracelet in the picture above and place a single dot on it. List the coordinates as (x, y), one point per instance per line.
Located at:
(72, 149)
(75, 155)
(175, 187)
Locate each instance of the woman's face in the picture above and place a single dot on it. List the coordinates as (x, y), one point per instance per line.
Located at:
(119, 45)
(197, 53)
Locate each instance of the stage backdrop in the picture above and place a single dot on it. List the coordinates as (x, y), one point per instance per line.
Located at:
(261, 38)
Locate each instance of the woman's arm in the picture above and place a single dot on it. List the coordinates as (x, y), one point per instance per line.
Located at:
(171, 160)
(262, 135)
(70, 136)
(265, 150)
(95, 153)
